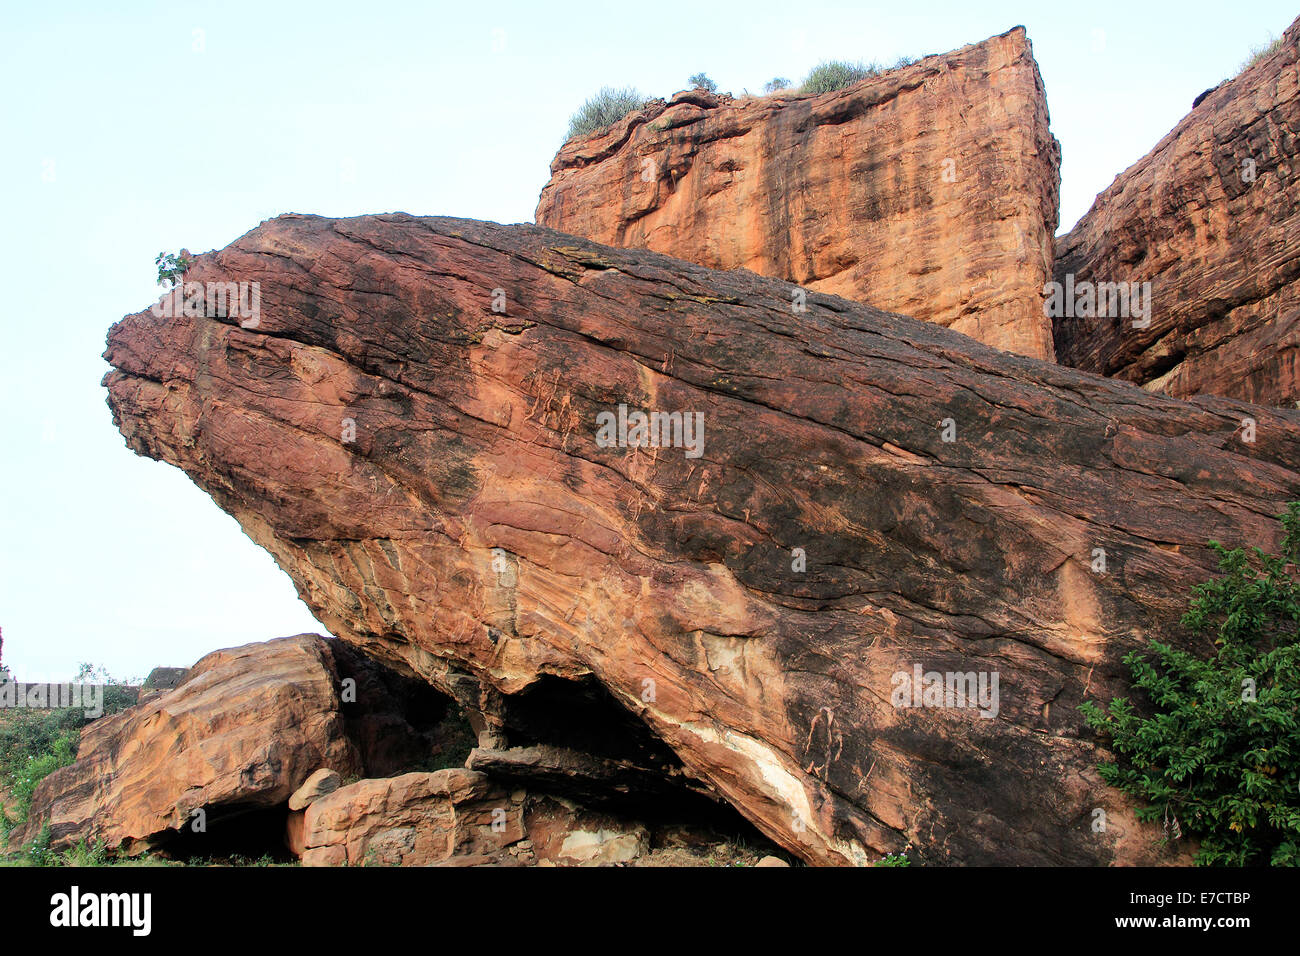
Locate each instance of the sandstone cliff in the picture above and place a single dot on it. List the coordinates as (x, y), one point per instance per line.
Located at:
(411, 426)
(1210, 219)
(930, 190)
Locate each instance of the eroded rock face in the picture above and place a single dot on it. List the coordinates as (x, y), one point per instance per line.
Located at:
(322, 782)
(930, 190)
(1210, 219)
(244, 730)
(416, 819)
(428, 472)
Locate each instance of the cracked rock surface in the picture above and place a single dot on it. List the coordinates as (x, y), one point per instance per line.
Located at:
(930, 189)
(426, 470)
(1209, 218)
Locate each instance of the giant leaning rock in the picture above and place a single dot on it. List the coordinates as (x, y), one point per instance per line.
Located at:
(409, 426)
(930, 189)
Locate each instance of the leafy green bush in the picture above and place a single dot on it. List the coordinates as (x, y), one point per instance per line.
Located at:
(117, 696)
(85, 853)
(38, 852)
(776, 83)
(35, 743)
(172, 267)
(604, 110)
(455, 739)
(1219, 758)
(836, 75)
(701, 81)
(894, 859)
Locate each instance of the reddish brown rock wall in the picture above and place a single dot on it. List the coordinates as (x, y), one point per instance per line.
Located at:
(427, 471)
(930, 190)
(1211, 219)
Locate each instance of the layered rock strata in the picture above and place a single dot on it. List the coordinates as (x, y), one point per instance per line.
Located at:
(1204, 227)
(427, 425)
(929, 190)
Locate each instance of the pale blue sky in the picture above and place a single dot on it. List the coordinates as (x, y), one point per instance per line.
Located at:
(160, 125)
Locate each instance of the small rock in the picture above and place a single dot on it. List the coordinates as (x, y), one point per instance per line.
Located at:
(771, 861)
(323, 781)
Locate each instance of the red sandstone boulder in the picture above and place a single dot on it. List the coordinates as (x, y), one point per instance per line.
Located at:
(413, 430)
(417, 819)
(243, 731)
(238, 739)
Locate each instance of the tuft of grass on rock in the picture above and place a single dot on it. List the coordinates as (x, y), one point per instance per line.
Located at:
(1258, 53)
(836, 75)
(603, 110)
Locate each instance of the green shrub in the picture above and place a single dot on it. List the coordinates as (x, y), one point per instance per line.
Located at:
(836, 75)
(604, 110)
(1219, 757)
(116, 695)
(38, 852)
(455, 739)
(893, 859)
(701, 81)
(85, 853)
(775, 84)
(35, 743)
(172, 267)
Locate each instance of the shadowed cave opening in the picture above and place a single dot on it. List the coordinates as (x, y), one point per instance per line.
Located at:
(234, 833)
(401, 725)
(582, 715)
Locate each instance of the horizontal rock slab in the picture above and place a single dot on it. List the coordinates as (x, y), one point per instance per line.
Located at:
(579, 775)
(929, 190)
(410, 426)
(1209, 218)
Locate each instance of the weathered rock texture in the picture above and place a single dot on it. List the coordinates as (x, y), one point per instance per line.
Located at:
(322, 782)
(1210, 218)
(417, 819)
(930, 190)
(242, 732)
(426, 470)
(457, 817)
(246, 728)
